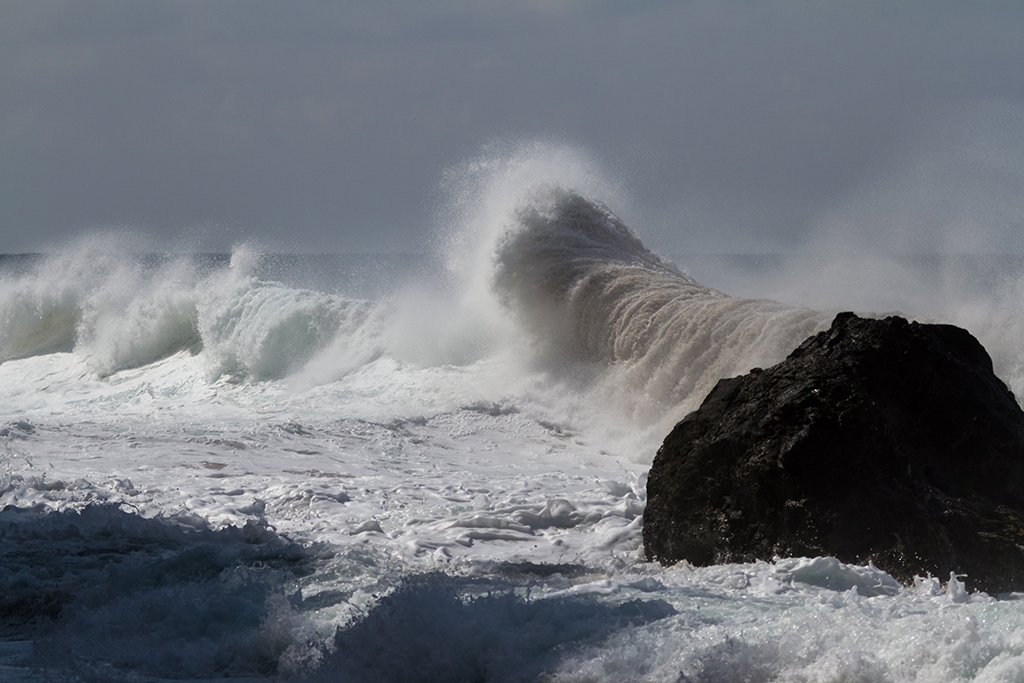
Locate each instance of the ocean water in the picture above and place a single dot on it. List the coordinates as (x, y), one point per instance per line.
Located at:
(432, 467)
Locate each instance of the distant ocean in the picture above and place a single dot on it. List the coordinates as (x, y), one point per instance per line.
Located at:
(432, 468)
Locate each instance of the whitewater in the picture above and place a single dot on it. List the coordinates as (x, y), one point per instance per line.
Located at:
(271, 466)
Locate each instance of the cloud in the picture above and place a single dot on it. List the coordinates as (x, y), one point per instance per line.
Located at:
(329, 124)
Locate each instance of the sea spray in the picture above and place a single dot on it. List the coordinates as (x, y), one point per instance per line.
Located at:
(589, 291)
(482, 198)
(36, 319)
(40, 310)
(138, 316)
(627, 340)
(119, 309)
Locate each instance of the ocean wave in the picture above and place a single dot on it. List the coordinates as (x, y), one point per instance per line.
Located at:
(36, 321)
(136, 317)
(587, 289)
(267, 331)
(550, 280)
(121, 311)
(113, 308)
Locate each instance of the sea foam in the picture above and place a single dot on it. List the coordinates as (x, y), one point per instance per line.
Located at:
(214, 467)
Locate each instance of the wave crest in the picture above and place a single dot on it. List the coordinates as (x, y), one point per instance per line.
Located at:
(265, 330)
(587, 289)
(121, 311)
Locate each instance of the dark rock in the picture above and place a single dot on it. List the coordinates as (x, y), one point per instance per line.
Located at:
(876, 440)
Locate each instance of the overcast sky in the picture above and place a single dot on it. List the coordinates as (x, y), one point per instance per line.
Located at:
(324, 125)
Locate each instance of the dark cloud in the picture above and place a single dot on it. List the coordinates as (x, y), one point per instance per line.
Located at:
(327, 125)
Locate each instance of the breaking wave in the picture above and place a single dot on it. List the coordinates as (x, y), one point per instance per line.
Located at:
(559, 274)
(588, 289)
(123, 311)
(445, 453)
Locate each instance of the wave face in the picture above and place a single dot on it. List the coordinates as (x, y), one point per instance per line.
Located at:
(122, 311)
(266, 330)
(118, 310)
(587, 289)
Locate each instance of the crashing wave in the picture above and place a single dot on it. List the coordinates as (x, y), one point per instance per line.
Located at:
(587, 289)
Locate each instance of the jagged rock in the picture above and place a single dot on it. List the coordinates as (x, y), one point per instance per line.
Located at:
(876, 440)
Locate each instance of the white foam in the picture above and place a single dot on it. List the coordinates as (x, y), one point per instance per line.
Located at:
(461, 464)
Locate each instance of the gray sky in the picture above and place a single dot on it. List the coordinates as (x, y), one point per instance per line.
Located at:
(311, 125)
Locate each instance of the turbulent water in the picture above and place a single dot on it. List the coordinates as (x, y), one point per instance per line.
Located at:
(432, 468)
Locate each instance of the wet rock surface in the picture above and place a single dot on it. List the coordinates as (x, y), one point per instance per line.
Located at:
(876, 440)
